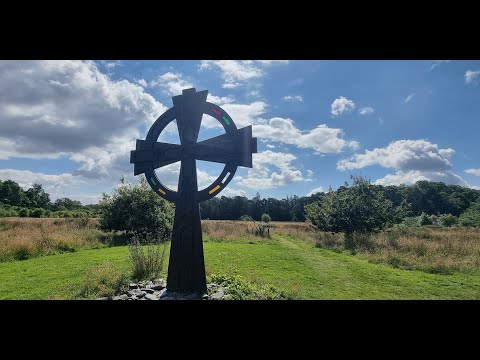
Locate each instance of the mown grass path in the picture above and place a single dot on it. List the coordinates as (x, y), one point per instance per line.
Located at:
(285, 262)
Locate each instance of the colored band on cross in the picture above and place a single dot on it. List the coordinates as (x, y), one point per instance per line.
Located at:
(214, 189)
(227, 121)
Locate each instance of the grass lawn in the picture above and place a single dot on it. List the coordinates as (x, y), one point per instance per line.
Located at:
(286, 262)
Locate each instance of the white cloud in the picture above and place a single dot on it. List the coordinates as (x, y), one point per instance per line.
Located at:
(220, 100)
(26, 178)
(246, 114)
(142, 83)
(322, 139)
(413, 160)
(316, 190)
(271, 62)
(61, 185)
(53, 107)
(402, 155)
(366, 110)
(261, 175)
(309, 173)
(111, 64)
(236, 72)
(171, 83)
(298, 98)
(475, 172)
(409, 98)
(229, 192)
(341, 105)
(412, 176)
(471, 76)
(174, 83)
(436, 63)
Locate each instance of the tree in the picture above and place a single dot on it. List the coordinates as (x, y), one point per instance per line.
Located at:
(66, 204)
(403, 211)
(137, 210)
(38, 213)
(37, 197)
(245, 218)
(12, 194)
(23, 212)
(449, 220)
(266, 218)
(425, 219)
(361, 208)
(471, 217)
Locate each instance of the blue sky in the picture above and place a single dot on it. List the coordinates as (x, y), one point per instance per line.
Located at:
(70, 125)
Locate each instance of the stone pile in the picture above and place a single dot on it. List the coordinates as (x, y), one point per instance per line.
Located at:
(156, 290)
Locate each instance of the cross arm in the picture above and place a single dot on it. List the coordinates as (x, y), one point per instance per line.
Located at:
(235, 147)
(162, 154)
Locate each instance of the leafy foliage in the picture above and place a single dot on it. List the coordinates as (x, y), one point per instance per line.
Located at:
(360, 208)
(13, 199)
(66, 204)
(147, 256)
(37, 197)
(266, 218)
(425, 219)
(38, 213)
(433, 198)
(23, 212)
(471, 217)
(245, 218)
(449, 220)
(137, 210)
(240, 289)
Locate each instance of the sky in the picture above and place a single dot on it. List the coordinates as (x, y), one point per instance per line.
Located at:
(70, 125)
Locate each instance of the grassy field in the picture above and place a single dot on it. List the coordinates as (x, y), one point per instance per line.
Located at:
(291, 260)
(24, 238)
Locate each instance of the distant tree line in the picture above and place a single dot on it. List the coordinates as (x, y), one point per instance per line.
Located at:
(35, 202)
(432, 198)
(226, 208)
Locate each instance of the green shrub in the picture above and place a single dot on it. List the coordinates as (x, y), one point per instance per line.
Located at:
(8, 213)
(471, 216)
(266, 218)
(359, 208)
(240, 289)
(38, 213)
(147, 256)
(245, 218)
(425, 219)
(411, 221)
(137, 210)
(449, 220)
(24, 212)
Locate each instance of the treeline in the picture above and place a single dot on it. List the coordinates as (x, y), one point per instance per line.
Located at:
(35, 202)
(225, 208)
(432, 198)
